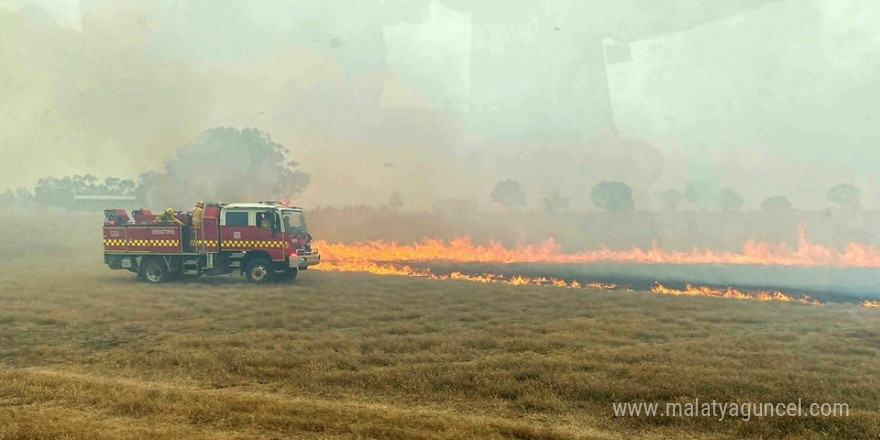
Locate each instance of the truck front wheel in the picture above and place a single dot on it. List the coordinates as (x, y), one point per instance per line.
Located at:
(259, 271)
(289, 274)
(155, 271)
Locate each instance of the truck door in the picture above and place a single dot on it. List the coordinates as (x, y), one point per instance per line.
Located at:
(240, 231)
(234, 228)
(268, 235)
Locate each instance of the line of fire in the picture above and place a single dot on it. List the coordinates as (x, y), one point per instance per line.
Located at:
(809, 273)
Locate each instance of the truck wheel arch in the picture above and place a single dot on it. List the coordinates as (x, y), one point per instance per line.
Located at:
(259, 270)
(155, 270)
(253, 255)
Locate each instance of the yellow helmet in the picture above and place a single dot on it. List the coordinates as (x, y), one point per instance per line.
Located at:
(169, 211)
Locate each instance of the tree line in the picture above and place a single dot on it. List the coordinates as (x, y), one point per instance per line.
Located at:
(224, 164)
(618, 196)
(221, 164)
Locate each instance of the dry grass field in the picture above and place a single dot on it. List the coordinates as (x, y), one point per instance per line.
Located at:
(89, 353)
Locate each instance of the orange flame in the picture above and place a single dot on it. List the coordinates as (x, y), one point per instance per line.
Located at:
(462, 249)
(389, 258)
(732, 293)
(519, 280)
(516, 280)
(871, 304)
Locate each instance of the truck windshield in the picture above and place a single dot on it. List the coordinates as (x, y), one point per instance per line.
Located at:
(294, 222)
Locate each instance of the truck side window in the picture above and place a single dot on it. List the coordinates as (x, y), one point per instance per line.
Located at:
(264, 220)
(236, 219)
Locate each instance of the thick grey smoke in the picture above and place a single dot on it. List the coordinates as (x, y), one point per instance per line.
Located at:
(444, 98)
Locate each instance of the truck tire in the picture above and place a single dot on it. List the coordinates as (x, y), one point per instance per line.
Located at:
(114, 262)
(259, 271)
(155, 271)
(289, 274)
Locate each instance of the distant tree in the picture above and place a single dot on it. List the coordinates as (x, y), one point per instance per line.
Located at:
(24, 196)
(553, 203)
(613, 196)
(89, 181)
(50, 191)
(776, 204)
(729, 200)
(225, 164)
(7, 199)
(395, 202)
(19, 198)
(112, 183)
(126, 187)
(509, 193)
(115, 185)
(845, 195)
(59, 192)
(700, 194)
(670, 199)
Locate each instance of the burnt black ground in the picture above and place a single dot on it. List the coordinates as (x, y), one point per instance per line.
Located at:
(827, 284)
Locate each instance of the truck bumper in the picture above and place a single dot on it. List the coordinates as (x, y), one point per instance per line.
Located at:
(303, 261)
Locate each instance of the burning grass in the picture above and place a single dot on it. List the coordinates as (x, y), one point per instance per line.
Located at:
(733, 293)
(462, 249)
(90, 353)
(520, 280)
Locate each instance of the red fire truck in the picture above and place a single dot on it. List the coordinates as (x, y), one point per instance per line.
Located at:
(263, 241)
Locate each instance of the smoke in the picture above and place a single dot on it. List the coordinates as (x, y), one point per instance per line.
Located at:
(442, 99)
(783, 95)
(225, 164)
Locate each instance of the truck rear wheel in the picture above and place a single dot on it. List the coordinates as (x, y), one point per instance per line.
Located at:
(155, 271)
(259, 271)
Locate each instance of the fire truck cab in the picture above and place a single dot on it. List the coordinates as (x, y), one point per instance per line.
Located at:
(263, 241)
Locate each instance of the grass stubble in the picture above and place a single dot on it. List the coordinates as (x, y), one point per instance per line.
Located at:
(90, 353)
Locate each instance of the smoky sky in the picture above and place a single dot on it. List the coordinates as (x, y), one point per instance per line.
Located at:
(441, 99)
